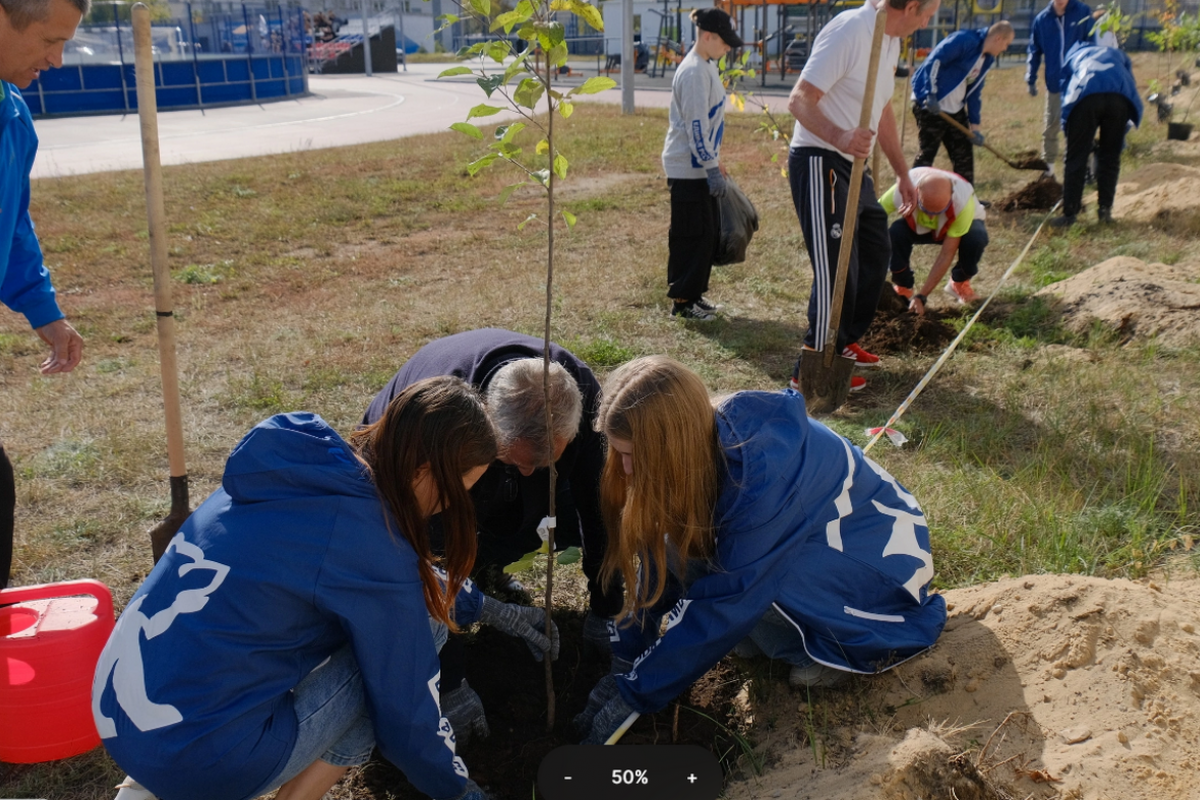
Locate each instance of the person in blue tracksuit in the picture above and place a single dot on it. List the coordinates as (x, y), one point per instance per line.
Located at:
(951, 81)
(293, 622)
(1099, 93)
(760, 530)
(32, 36)
(1055, 30)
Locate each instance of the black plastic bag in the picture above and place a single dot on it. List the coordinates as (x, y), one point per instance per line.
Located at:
(738, 222)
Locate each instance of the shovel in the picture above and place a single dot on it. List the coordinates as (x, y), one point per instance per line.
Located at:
(825, 375)
(162, 533)
(1028, 163)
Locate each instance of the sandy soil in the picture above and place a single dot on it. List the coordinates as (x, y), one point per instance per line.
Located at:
(1041, 687)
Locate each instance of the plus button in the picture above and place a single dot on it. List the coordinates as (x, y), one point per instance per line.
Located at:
(692, 778)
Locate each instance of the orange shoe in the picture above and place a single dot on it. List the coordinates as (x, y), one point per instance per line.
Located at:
(903, 291)
(861, 358)
(961, 291)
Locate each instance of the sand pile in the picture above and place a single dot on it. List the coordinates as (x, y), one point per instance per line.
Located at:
(1134, 298)
(1044, 687)
(1161, 194)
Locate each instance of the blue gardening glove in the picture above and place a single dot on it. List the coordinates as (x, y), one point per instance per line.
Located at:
(1033, 90)
(716, 181)
(604, 691)
(472, 792)
(977, 138)
(464, 710)
(526, 622)
(932, 105)
(611, 717)
(598, 631)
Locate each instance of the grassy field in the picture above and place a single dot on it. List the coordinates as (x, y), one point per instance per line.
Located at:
(303, 281)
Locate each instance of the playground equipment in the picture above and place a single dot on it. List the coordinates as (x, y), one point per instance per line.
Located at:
(797, 23)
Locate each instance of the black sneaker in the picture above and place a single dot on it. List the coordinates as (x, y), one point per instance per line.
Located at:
(707, 306)
(692, 311)
(1065, 221)
(1105, 216)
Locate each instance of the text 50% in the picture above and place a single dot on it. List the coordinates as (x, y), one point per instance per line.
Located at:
(630, 777)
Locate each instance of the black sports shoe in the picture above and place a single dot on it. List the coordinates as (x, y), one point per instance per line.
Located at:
(692, 311)
(707, 306)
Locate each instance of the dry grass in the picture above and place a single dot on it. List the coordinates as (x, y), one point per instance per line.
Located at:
(305, 280)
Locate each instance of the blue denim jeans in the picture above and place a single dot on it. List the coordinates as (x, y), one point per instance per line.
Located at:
(779, 639)
(334, 724)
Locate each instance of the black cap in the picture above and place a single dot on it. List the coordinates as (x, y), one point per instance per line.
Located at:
(714, 20)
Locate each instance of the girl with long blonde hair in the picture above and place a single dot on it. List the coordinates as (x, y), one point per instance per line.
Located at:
(755, 527)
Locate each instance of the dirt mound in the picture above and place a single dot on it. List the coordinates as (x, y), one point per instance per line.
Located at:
(1160, 194)
(1040, 195)
(1134, 298)
(897, 330)
(1045, 686)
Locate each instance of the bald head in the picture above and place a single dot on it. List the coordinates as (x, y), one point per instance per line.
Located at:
(999, 37)
(934, 192)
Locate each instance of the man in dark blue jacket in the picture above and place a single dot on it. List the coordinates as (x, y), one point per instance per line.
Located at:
(951, 81)
(32, 35)
(1057, 28)
(1099, 93)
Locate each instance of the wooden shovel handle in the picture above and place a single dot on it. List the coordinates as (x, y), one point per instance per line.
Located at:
(970, 133)
(152, 170)
(850, 221)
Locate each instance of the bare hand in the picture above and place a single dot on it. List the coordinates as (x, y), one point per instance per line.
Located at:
(66, 347)
(916, 306)
(908, 195)
(856, 142)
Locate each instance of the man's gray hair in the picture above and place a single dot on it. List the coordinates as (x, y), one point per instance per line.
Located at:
(22, 13)
(900, 5)
(516, 401)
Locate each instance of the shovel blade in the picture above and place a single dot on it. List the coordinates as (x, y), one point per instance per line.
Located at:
(825, 388)
(162, 533)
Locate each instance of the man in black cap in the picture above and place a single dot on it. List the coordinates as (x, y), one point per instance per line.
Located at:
(690, 159)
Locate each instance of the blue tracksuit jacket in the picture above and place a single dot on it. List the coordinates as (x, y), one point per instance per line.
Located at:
(1052, 36)
(807, 524)
(948, 66)
(289, 561)
(1090, 69)
(24, 281)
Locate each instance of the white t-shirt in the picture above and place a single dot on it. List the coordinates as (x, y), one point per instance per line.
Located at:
(953, 101)
(838, 67)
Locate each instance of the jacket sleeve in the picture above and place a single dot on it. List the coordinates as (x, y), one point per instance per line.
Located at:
(693, 109)
(26, 288)
(1033, 57)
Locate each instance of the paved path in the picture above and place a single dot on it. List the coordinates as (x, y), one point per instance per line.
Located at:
(342, 110)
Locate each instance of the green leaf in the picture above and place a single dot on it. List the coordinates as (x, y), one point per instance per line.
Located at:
(529, 92)
(505, 133)
(499, 50)
(508, 190)
(528, 32)
(482, 7)
(517, 16)
(590, 14)
(543, 147)
(474, 167)
(572, 554)
(448, 19)
(524, 564)
(570, 218)
(566, 109)
(516, 66)
(468, 129)
(560, 166)
(490, 83)
(594, 86)
(450, 73)
(507, 149)
(473, 50)
(483, 110)
(558, 54)
(526, 221)
(558, 34)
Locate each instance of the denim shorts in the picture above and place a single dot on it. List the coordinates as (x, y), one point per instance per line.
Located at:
(334, 723)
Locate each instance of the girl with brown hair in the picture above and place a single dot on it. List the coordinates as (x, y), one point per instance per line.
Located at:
(756, 528)
(293, 623)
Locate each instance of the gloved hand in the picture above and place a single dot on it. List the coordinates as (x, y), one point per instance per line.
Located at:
(463, 708)
(604, 691)
(605, 724)
(977, 138)
(596, 631)
(526, 622)
(472, 792)
(1033, 90)
(932, 105)
(716, 182)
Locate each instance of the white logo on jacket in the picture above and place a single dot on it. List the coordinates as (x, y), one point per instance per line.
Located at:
(122, 656)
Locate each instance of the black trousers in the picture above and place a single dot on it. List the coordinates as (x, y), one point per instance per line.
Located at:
(1107, 112)
(692, 239)
(820, 181)
(970, 251)
(933, 132)
(8, 508)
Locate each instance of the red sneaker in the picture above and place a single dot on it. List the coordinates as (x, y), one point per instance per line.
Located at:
(857, 384)
(961, 291)
(861, 357)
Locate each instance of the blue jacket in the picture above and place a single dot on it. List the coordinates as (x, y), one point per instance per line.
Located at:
(948, 66)
(1090, 69)
(288, 562)
(809, 525)
(24, 280)
(1052, 36)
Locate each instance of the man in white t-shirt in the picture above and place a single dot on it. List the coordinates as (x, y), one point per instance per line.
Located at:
(827, 102)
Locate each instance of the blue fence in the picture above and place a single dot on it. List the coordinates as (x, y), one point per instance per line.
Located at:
(248, 55)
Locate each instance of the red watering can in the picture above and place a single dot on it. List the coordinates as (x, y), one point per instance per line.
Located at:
(50, 641)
